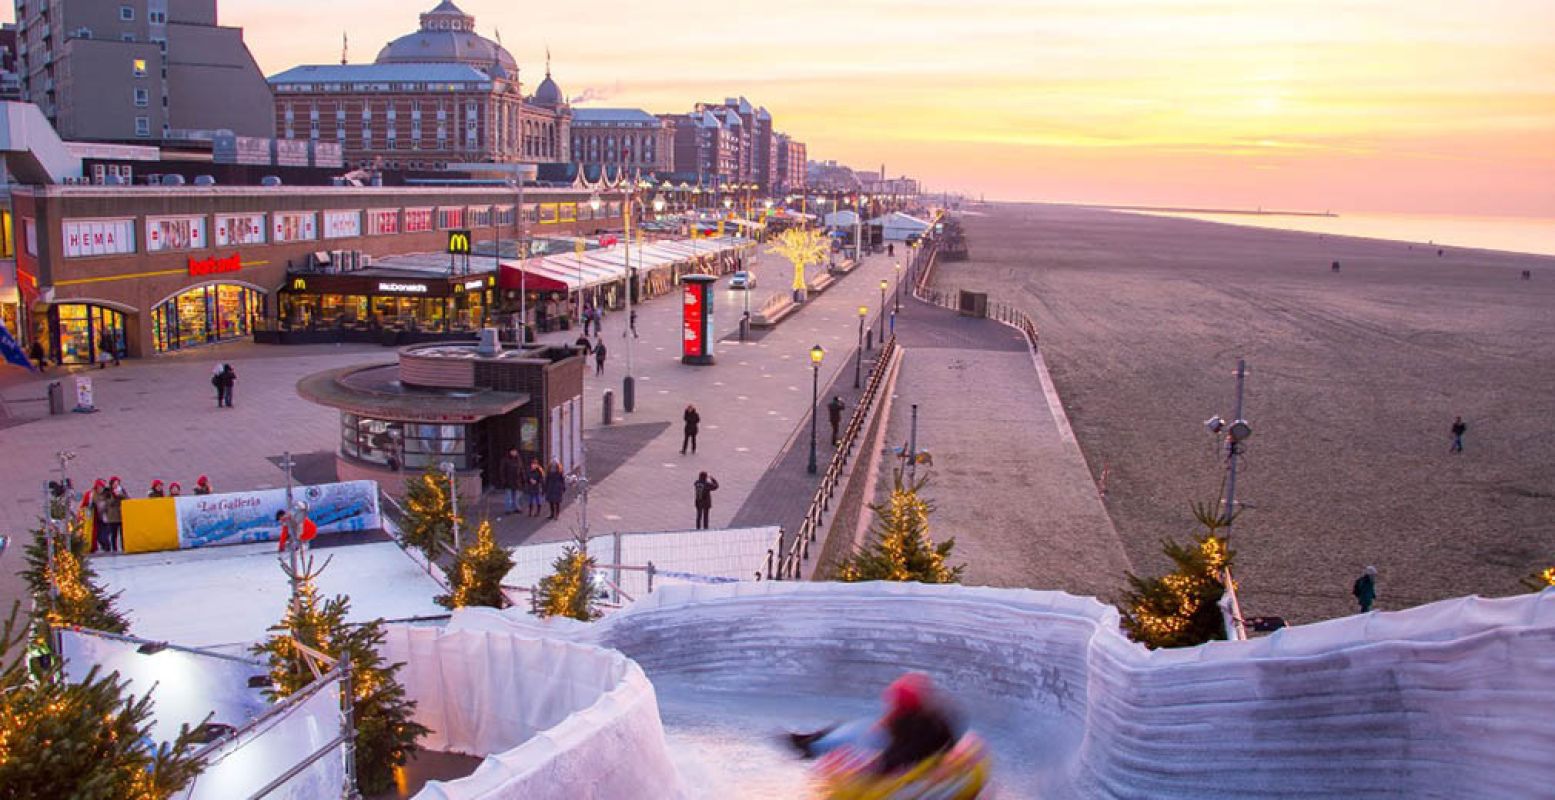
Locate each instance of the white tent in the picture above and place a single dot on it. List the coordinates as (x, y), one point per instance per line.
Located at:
(842, 219)
(899, 226)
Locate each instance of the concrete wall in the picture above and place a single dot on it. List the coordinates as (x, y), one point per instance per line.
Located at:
(215, 84)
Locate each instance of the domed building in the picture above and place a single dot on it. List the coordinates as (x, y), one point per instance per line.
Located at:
(440, 95)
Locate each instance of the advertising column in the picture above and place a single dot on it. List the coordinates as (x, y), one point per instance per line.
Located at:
(697, 320)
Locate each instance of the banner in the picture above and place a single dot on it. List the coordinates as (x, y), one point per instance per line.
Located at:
(189, 521)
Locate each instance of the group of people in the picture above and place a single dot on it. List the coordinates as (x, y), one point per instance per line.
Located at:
(224, 377)
(596, 348)
(104, 502)
(532, 483)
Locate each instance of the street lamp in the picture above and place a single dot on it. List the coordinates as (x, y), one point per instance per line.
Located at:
(816, 354)
(884, 284)
(858, 363)
(447, 468)
(898, 287)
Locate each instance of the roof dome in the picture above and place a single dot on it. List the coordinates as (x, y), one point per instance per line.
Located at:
(548, 93)
(447, 36)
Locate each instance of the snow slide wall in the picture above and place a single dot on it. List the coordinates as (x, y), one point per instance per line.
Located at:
(1446, 700)
(553, 718)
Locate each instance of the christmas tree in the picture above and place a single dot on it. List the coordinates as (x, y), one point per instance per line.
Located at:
(900, 548)
(385, 733)
(476, 576)
(1539, 581)
(1181, 608)
(66, 593)
(429, 511)
(569, 590)
(80, 740)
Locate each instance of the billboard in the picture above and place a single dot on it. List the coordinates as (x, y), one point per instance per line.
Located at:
(189, 521)
(291, 152)
(697, 319)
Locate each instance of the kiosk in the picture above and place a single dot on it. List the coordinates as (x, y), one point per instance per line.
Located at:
(697, 319)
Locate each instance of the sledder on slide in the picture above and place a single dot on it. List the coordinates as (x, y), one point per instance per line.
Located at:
(917, 749)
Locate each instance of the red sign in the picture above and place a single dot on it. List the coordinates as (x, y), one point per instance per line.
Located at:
(691, 321)
(214, 265)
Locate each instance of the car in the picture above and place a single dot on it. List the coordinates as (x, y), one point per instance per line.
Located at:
(743, 280)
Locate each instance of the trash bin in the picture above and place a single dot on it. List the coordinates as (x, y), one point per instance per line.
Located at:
(609, 410)
(56, 398)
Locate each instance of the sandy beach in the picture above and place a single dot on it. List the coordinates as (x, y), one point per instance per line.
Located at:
(1355, 378)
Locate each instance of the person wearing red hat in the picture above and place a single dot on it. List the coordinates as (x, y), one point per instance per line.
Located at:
(913, 726)
(156, 490)
(202, 485)
(174, 489)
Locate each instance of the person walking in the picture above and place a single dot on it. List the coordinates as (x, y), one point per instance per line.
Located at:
(511, 473)
(202, 485)
(38, 356)
(692, 419)
(534, 486)
(704, 487)
(1365, 589)
(631, 321)
(108, 348)
(225, 380)
(599, 357)
(834, 415)
(588, 319)
(1459, 427)
(555, 488)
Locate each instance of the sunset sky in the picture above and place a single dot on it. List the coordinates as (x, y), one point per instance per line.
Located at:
(1375, 105)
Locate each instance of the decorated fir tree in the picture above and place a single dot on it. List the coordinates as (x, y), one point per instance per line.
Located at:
(569, 590)
(68, 593)
(385, 733)
(429, 511)
(900, 548)
(1181, 608)
(80, 740)
(475, 579)
(1541, 580)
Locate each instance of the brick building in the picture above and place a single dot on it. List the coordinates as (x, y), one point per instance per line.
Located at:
(791, 165)
(438, 96)
(622, 138)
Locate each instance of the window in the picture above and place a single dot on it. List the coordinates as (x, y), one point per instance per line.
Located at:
(142, 98)
(90, 237)
(236, 229)
(450, 218)
(174, 233)
(156, 17)
(293, 227)
(142, 126)
(138, 66)
(342, 224)
(126, 37)
(126, 13)
(418, 219)
(382, 221)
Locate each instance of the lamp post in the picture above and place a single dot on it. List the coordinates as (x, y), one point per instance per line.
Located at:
(858, 363)
(884, 284)
(447, 468)
(898, 287)
(816, 354)
(1236, 432)
(594, 205)
(628, 383)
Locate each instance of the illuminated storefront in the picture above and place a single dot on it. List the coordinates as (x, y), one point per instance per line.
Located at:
(205, 314)
(76, 332)
(382, 301)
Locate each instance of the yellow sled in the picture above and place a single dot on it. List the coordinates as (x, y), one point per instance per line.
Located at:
(958, 774)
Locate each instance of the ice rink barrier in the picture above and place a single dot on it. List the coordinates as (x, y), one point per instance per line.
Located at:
(1448, 700)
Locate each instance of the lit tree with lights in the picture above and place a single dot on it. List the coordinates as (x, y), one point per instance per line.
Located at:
(569, 590)
(801, 247)
(1181, 608)
(1541, 580)
(80, 740)
(429, 511)
(475, 579)
(66, 592)
(900, 548)
(385, 734)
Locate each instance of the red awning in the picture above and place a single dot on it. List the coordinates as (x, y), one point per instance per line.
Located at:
(512, 277)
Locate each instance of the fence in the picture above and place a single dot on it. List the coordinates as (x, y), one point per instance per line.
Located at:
(786, 562)
(922, 269)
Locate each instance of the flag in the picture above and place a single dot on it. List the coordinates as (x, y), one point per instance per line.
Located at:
(13, 351)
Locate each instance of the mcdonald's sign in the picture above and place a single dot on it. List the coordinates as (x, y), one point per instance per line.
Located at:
(459, 242)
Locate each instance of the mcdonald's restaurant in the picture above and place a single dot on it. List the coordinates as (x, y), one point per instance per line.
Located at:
(400, 300)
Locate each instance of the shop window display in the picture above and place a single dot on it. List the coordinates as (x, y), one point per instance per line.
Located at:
(205, 314)
(80, 328)
(407, 445)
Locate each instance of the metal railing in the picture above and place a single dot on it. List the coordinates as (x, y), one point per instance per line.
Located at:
(785, 560)
(1004, 313)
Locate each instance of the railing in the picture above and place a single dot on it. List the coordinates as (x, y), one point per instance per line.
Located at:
(923, 274)
(786, 561)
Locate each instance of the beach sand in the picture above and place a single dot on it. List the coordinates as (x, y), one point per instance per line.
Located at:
(1354, 380)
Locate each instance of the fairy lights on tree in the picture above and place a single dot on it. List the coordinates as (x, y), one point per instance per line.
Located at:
(1539, 581)
(801, 247)
(429, 511)
(476, 576)
(569, 590)
(900, 548)
(1180, 609)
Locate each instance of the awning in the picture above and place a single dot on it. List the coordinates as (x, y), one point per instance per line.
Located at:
(567, 272)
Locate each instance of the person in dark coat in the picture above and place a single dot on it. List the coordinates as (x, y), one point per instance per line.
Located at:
(584, 344)
(534, 486)
(202, 485)
(1365, 589)
(156, 490)
(555, 488)
(38, 356)
(511, 475)
(834, 414)
(1459, 427)
(693, 419)
(599, 357)
(225, 380)
(704, 488)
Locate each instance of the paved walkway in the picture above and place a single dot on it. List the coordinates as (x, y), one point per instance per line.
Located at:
(1008, 482)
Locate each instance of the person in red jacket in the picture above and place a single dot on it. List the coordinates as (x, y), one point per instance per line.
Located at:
(309, 530)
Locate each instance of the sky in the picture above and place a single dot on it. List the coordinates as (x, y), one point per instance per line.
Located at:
(1435, 106)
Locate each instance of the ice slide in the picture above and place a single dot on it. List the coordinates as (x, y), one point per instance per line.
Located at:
(1448, 700)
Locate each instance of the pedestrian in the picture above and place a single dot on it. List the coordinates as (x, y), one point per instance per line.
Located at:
(1365, 589)
(588, 319)
(834, 413)
(113, 514)
(890, 249)
(584, 344)
(38, 356)
(631, 321)
(309, 531)
(599, 357)
(106, 351)
(1458, 429)
(692, 419)
(217, 381)
(555, 488)
(156, 490)
(534, 486)
(174, 490)
(101, 535)
(704, 488)
(202, 485)
(229, 378)
(512, 475)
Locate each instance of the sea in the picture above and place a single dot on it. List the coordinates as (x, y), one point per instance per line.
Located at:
(1512, 234)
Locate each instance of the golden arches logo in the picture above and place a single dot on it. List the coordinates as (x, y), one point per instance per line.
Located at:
(459, 242)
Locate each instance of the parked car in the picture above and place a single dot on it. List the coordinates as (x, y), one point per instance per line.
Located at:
(743, 280)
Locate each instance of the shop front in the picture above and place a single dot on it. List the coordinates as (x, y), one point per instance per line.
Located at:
(379, 306)
(81, 333)
(206, 314)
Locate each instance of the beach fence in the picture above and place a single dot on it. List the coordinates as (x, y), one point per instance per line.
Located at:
(973, 304)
